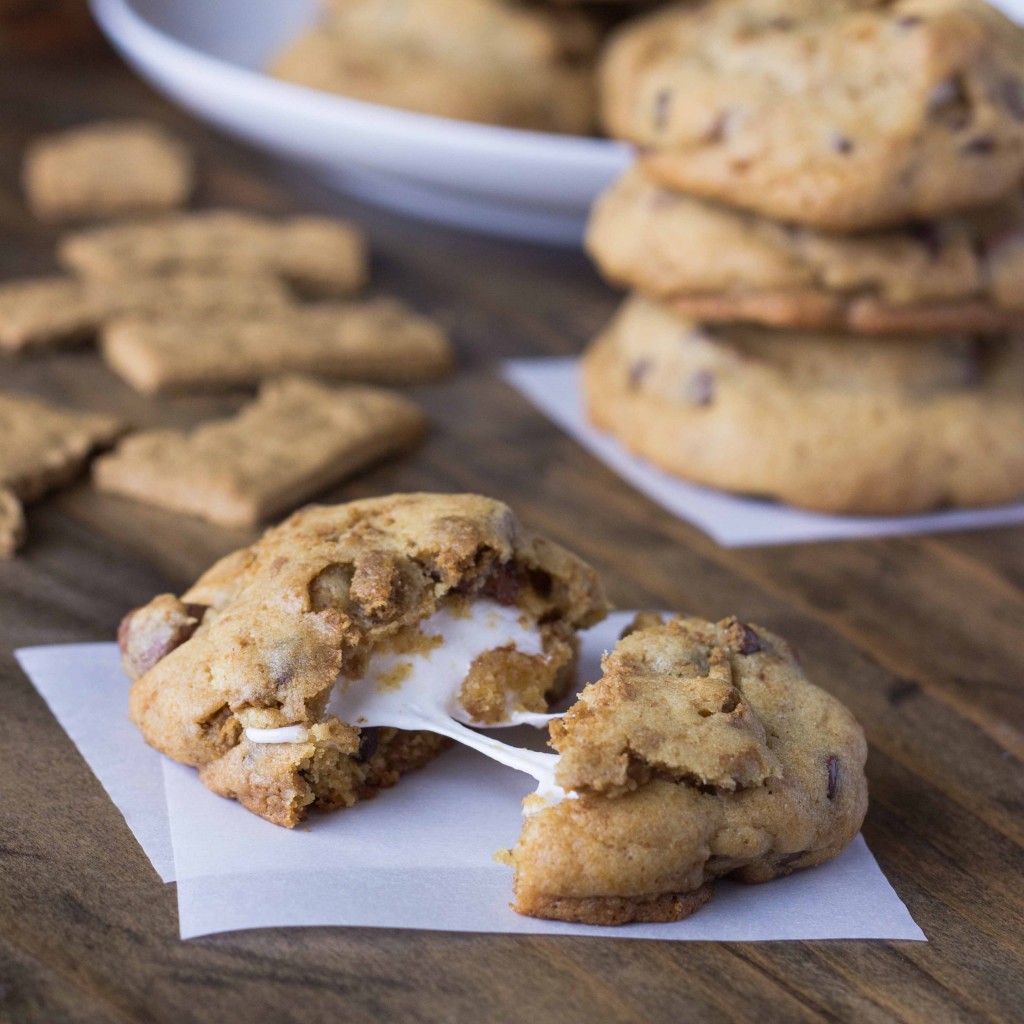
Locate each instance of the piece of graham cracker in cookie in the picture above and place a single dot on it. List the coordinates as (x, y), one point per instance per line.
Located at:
(12, 523)
(380, 341)
(106, 169)
(296, 439)
(42, 447)
(315, 255)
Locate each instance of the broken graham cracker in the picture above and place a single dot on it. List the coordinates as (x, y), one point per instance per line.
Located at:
(379, 341)
(315, 255)
(296, 439)
(44, 312)
(42, 448)
(192, 292)
(12, 523)
(52, 312)
(106, 169)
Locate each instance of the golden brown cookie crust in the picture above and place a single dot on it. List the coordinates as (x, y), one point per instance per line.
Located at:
(261, 638)
(702, 752)
(826, 422)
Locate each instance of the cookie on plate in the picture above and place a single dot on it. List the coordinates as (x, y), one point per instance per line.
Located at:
(267, 637)
(107, 169)
(490, 61)
(718, 263)
(702, 752)
(827, 422)
(836, 113)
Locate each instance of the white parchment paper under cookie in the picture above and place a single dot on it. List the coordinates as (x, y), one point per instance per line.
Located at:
(418, 856)
(553, 386)
(84, 687)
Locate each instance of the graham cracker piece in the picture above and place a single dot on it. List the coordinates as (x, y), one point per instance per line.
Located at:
(44, 312)
(192, 292)
(296, 439)
(12, 523)
(53, 312)
(43, 446)
(379, 341)
(107, 169)
(316, 255)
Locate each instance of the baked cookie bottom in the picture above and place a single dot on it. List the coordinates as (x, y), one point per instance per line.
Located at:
(656, 908)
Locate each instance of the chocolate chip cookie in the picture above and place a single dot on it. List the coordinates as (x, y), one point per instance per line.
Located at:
(703, 752)
(236, 675)
(490, 61)
(827, 422)
(717, 263)
(836, 113)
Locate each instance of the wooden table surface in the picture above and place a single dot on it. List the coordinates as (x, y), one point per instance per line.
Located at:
(921, 637)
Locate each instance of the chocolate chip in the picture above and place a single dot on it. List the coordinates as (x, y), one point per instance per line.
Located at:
(833, 777)
(661, 104)
(718, 128)
(980, 146)
(1013, 97)
(147, 635)
(840, 143)
(731, 703)
(368, 739)
(929, 235)
(750, 642)
(638, 371)
(950, 103)
(701, 389)
(502, 584)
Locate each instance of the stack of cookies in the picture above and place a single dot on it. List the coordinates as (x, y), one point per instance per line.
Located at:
(824, 231)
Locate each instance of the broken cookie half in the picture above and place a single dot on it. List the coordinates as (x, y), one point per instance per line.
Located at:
(702, 752)
(351, 643)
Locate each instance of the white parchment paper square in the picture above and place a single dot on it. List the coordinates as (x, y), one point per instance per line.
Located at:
(553, 386)
(87, 691)
(418, 856)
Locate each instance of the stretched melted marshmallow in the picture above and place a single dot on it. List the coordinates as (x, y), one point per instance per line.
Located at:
(420, 690)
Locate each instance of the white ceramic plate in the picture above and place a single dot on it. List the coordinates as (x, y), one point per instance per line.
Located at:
(207, 55)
